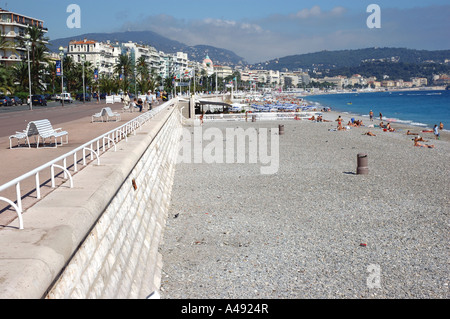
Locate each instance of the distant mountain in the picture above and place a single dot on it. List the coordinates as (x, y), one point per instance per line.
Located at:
(352, 58)
(160, 43)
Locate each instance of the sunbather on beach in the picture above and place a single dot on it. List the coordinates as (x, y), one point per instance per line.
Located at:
(389, 128)
(369, 133)
(420, 139)
(416, 143)
(382, 125)
(410, 133)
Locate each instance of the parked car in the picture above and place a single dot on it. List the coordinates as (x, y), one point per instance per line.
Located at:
(16, 100)
(102, 96)
(87, 97)
(66, 97)
(38, 100)
(5, 101)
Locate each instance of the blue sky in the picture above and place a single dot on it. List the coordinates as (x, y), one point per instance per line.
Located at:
(257, 30)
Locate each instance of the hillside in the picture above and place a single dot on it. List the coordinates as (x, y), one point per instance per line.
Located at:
(160, 43)
(394, 71)
(353, 58)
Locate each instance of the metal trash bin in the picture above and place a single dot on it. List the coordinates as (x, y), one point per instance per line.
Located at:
(362, 164)
(280, 129)
(253, 118)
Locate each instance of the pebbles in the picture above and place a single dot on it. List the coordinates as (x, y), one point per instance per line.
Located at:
(312, 229)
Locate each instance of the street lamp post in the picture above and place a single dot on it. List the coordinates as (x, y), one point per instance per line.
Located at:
(83, 59)
(61, 54)
(28, 45)
(135, 87)
(98, 81)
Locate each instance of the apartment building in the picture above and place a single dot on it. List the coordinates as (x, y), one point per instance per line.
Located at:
(155, 59)
(419, 81)
(105, 55)
(13, 27)
(289, 80)
(223, 70)
(102, 55)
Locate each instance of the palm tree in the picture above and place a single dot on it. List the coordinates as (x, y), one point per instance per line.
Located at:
(38, 56)
(20, 75)
(37, 39)
(109, 84)
(123, 66)
(6, 83)
(38, 69)
(142, 67)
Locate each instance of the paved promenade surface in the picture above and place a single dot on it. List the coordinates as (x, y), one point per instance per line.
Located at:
(74, 118)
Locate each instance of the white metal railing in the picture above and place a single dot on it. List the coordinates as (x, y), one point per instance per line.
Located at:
(96, 147)
(259, 116)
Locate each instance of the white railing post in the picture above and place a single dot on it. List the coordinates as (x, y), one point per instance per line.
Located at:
(18, 196)
(38, 187)
(17, 209)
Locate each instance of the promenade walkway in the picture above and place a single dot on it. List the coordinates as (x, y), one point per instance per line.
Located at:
(74, 118)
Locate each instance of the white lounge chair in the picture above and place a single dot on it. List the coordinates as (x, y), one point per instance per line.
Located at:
(111, 114)
(127, 107)
(44, 129)
(19, 136)
(98, 115)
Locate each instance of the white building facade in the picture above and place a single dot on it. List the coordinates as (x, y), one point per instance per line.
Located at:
(13, 28)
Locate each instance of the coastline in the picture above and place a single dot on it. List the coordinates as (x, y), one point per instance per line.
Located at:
(400, 123)
(400, 128)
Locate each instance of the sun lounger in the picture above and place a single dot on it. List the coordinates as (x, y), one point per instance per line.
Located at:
(127, 107)
(99, 115)
(110, 114)
(19, 136)
(44, 129)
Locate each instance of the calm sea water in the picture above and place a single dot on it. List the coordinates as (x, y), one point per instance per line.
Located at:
(419, 108)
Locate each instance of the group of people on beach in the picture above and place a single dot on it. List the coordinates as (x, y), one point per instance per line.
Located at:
(388, 128)
(351, 123)
(319, 118)
(417, 139)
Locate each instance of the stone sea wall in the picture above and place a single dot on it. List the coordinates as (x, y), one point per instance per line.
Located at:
(119, 258)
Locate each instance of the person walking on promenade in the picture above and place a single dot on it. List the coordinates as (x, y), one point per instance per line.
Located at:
(126, 102)
(139, 104)
(436, 132)
(149, 100)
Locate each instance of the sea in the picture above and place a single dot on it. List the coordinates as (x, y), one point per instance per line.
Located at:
(417, 108)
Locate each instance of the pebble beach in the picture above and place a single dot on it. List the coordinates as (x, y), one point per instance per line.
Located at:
(314, 229)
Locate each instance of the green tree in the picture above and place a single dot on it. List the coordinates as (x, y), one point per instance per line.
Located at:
(6, 83)
(19, 74)
(124, 67)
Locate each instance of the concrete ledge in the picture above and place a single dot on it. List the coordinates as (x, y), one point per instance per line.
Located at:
(32, 259)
